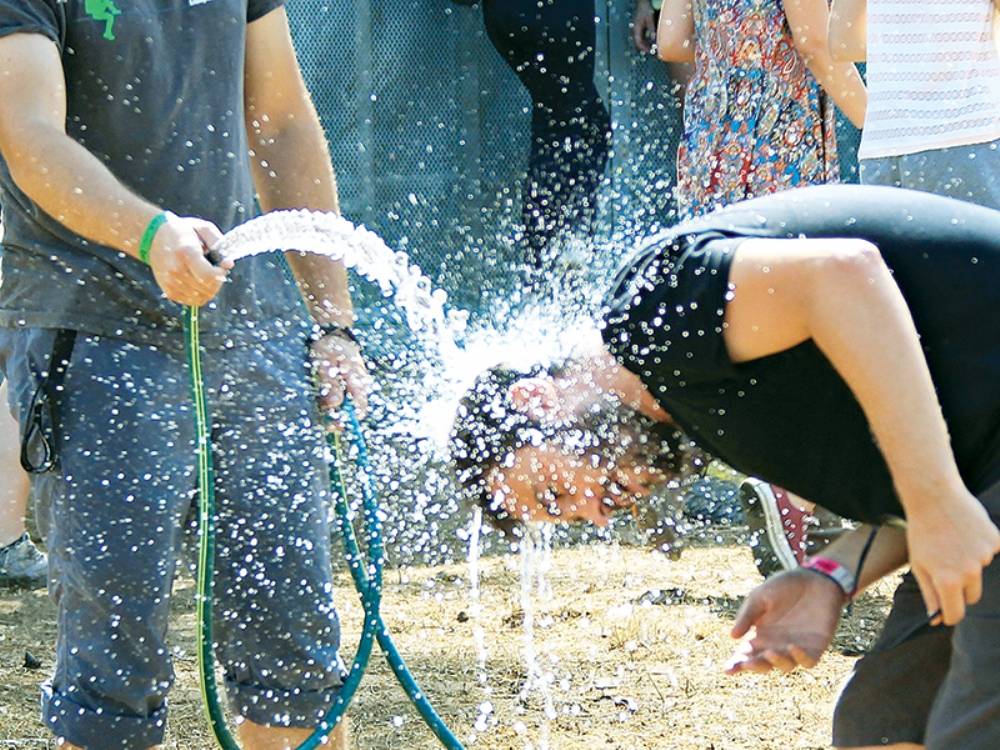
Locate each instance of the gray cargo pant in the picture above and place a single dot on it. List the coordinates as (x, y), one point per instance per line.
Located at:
(114, 509)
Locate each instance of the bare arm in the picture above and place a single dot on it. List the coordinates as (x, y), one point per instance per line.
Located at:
(292, 169)
(61, 176)
(675, 32)
(808, 20)
(72, 185)
(793, 616)
(887, 554)
(681, 75)
(841, 295)
(848, 30)
(291, 161)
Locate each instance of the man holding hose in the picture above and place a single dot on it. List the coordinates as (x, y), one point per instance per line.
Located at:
(108, 126)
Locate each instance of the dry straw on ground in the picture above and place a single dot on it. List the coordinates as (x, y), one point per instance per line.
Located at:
(635, 642)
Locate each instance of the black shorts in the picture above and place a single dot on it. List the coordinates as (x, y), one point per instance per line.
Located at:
(936, 686)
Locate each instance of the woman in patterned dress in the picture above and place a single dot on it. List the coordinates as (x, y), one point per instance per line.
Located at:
(757, 120)
(757, 115)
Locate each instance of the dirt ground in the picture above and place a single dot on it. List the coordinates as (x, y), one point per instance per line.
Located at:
(622, 673)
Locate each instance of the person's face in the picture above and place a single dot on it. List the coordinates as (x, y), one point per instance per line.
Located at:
(547, 484)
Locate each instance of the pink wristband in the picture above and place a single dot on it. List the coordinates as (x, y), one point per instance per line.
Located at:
(835, 572)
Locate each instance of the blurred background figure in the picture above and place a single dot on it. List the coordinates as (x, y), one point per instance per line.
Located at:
(645, 19)
(21, 562)
(758, 119)
(757, 111)
(934, 87)
(551, 48)
(644, 22)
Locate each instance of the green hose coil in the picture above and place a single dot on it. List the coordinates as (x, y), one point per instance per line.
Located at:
(366, 570)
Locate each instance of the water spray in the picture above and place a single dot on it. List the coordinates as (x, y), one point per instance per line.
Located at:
(313, 232)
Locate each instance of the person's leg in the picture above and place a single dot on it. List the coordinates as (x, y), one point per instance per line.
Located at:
(888, 697)
(112, 508)
(257, 737)
(571, 129)
(21, 562)
(551, 47)
(14, 487)
(823, 529)
(277, 627)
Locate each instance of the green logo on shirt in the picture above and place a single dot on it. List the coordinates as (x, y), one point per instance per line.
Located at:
(103, 10)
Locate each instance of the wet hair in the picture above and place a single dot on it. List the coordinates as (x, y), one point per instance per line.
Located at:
(489, 429)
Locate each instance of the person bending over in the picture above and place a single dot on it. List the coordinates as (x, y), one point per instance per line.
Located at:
(841, 341)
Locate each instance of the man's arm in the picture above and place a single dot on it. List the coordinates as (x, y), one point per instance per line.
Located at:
(841, 294)
(793, 616)
(675, 32)
(71, 185)
(807, 20)
(848, 30)
(292, 169)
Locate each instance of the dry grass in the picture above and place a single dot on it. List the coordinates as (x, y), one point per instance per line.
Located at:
(626, 674)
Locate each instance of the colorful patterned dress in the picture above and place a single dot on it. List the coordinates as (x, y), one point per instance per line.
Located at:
(755, 119)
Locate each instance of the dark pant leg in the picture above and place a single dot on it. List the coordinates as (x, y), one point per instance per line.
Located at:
(934, 686)
(889, 694)
(966, 713)
(112, 509)
(277, 628)
(551, 49)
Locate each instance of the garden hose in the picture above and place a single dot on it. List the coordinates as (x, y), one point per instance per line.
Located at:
(366, 570)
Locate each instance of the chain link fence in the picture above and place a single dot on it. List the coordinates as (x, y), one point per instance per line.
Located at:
(429, 131)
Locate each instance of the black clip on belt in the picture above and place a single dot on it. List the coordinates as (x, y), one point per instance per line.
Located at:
(39, 442)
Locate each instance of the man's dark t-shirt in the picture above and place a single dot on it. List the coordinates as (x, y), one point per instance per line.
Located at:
(154, 90)
(789, 418)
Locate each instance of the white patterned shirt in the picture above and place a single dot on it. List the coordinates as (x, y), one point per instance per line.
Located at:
(933, 76)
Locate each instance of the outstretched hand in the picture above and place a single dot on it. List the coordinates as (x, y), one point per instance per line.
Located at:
(794, 616)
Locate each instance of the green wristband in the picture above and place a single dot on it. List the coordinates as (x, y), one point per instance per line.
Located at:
(146, 243)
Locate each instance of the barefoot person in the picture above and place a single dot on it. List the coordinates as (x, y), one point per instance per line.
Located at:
(109, 121)
(841, 341)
